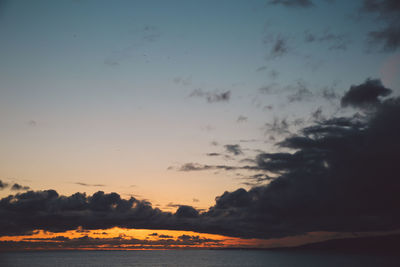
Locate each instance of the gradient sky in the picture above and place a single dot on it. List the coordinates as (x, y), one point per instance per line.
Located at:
(118, 95)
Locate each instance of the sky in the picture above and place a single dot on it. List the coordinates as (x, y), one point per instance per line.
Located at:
(225, 118)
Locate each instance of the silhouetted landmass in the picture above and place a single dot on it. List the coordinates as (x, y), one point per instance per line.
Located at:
(372, 244)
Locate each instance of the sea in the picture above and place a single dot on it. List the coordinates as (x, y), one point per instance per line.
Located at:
(194, 258)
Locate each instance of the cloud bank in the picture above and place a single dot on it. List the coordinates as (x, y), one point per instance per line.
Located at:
(341, 175)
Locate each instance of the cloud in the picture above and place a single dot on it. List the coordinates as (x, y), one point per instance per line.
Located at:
(390, 36)
(278, 126)
(292, 3)
(212, 97)
(203, 167)
(337, 175)
(241, 118)
(341, 177)
(165, 236)
(261, 68)
(186, 212)
(335, 41)
(388, 12)
(213, 154)
(17, 187)
(365, 95)
(121, 242)
(329, 94)
(47, 210)
(3, 185)
(234, 149)
(279, 48)
(317, 114)
(270, 88)
(94, 185)
(301, 94)
(14, 187)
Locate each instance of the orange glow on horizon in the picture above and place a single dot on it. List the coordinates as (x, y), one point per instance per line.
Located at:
(130, 239)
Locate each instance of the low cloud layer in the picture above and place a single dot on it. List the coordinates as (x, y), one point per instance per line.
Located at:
(63, 242)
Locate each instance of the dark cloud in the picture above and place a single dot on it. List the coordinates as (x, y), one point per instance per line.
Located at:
(302, 93)
(121, 242)
(213, 154)
(173, 205)
(203, 167)
(17, 187)
(292, 3)
(183, 81)
(86, 184)
(334, 41)
(365, 95)
(153, 234)
(256, 179)
(165, 236)
(194, 167)
(47, 210)
(186, 212)
(219, 97)
(3, 185)
(241, 118)
(388, 12)
(278, 126)
(279, 47)
(212, 97)
(268, 107)
(329, 94)
(389, 36)
(317, 114)
(261, 68)
(234, 149)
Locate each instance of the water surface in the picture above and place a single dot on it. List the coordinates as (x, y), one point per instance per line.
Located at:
(193, 258)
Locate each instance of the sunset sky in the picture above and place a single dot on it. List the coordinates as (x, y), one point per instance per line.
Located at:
(174, 103)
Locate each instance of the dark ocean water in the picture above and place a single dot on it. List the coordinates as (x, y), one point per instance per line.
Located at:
(193, 258)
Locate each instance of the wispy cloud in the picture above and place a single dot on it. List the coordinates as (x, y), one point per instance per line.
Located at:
(212, 97)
